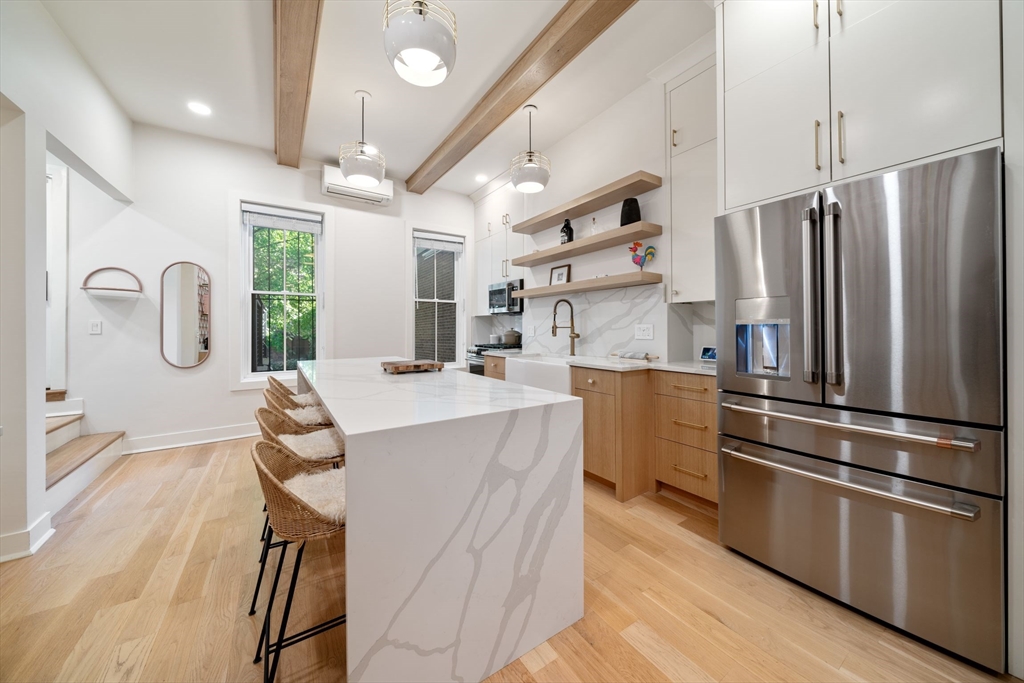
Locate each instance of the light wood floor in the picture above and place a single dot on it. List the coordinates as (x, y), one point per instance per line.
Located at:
(150, 573)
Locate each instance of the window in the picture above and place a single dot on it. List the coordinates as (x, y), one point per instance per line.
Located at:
(438, 279)
(282, 281)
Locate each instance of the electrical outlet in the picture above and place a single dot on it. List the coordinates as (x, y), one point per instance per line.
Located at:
(644, 332)
(95, 327)
(533, 331)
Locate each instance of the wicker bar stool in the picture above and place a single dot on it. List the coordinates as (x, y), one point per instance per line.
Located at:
(307, 399)
(317, 447)
(319, 513)
(309, 416)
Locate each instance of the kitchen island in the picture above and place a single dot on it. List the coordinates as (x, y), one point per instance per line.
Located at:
(464, 540)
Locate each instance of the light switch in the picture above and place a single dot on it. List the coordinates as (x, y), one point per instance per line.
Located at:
(95, 327)
(644, 332)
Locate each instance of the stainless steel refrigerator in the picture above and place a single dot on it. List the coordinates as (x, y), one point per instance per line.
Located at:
(862, 396)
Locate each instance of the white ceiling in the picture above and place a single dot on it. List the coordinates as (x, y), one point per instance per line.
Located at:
(155, 56)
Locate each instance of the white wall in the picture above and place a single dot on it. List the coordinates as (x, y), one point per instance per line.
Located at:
(182, 185)
(43, 74)
(628, 136)
(24, 523)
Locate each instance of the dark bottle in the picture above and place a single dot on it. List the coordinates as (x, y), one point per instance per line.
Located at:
(566, 232)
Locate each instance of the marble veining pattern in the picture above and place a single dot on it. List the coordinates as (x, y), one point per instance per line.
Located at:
(605, 320)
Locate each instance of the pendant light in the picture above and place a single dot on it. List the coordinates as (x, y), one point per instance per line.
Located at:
(419, 38)
(530, 170)
(361, 164)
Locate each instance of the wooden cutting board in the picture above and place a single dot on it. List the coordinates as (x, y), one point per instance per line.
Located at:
(397, 367)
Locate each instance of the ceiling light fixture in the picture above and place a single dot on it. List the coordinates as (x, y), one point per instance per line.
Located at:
(481, 178)
(419, 38)
(200, 108)
(530, 170)
(361, 164)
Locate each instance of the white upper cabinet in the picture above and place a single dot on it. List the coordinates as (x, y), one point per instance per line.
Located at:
(693, 110)
(913, 79)
(844, 14)
(694, 177)
(777, 129)
(481, 276)
(760, 34)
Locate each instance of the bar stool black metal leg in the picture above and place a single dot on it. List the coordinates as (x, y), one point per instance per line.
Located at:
(266, 523)
(268, 535)
(264, 642)
(287, 611)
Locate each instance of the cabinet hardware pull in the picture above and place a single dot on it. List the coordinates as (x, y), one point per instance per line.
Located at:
(590, 381)
(688, 388)
(842, 159)
(674, 131)
(815, 13)
(839, 7)
(817, 164)
(699, 475)
(691, 425)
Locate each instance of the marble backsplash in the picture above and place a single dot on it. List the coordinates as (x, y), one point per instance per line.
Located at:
(605, 321)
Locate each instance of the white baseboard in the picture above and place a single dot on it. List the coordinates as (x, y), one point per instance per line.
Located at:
(69, 406)
(61, 493)
(159, 442)
(20, 544)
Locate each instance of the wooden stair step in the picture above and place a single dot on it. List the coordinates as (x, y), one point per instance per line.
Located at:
(64, 460)
(56, 395)
(55, 423)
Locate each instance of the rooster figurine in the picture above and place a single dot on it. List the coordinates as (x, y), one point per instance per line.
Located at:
(640, 255)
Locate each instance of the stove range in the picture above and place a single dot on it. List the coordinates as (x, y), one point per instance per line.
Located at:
(475, 355)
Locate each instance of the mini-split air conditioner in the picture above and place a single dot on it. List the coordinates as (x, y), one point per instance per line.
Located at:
(333, 184)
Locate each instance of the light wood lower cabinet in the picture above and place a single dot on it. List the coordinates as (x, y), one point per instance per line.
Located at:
(686, 427)
(618, 428)
(494, 366)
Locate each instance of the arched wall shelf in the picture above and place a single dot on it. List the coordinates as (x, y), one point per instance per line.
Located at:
(113, 292)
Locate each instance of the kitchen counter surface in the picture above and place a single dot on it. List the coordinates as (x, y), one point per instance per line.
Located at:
(616, 365)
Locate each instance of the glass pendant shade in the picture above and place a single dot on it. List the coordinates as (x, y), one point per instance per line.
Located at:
(530, 172)
(361, 164)
(419, 38)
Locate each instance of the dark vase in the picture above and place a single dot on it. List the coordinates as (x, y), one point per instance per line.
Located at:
(566, 232)
(630, 211)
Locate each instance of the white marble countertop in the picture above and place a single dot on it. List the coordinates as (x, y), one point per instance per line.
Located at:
(616, 365)
(362, 398)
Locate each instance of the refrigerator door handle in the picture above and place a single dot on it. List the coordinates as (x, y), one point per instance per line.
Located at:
(833, 349)
(956, 444)
(810, 286)
(963, 511)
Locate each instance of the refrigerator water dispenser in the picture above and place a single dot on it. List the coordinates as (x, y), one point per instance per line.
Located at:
(762, 337)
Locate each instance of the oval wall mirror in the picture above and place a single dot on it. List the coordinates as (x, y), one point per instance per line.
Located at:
(185, 314)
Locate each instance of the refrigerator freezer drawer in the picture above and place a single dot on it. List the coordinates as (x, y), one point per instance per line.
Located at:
(964, 457)
(925, 559)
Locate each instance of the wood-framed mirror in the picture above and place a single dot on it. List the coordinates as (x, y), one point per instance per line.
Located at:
(185, 314)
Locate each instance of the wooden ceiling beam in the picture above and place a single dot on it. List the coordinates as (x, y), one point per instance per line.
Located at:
(296, 31)
(575, 26)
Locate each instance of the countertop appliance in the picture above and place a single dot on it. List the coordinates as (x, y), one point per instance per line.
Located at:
(861, 406)
(475, 355)
(499, 297)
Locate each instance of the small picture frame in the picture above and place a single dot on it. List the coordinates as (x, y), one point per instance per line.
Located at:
(559, 275)
(709, 353)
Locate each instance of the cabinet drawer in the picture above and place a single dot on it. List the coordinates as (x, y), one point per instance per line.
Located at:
(683, 420)
(682, 385)
(687, 468)
(602, 381)
(494, 365)
(598, 433)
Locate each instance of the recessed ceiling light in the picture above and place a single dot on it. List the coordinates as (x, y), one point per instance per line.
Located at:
(481, 178)
(200, 108)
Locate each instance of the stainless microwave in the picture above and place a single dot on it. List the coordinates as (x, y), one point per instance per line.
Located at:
(499, 297)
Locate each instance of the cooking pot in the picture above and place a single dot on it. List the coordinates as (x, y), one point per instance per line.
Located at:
(511, 337)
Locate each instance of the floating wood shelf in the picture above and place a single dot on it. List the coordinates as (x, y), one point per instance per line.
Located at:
(602, 240)
(113, 292)
(640, 277)
(631, 186)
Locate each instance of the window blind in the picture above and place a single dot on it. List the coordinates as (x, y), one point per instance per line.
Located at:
(261, 216)
(437, 241)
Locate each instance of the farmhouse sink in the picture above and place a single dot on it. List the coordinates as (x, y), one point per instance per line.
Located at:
(544, 372)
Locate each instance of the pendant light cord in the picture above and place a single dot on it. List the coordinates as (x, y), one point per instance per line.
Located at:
(530, 115)
(362, 129)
